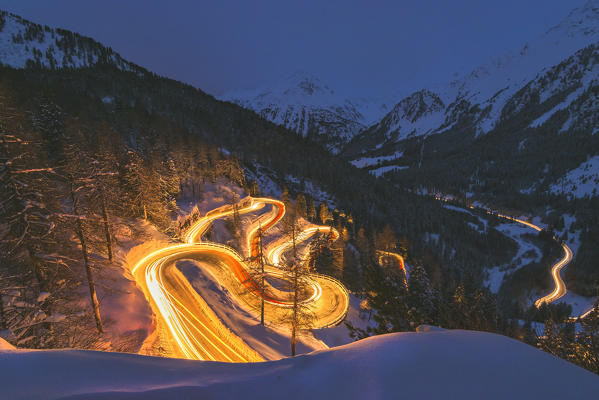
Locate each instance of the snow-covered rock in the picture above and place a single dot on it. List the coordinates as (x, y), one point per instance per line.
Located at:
(430, 365)
(580, 182)
(418, 114)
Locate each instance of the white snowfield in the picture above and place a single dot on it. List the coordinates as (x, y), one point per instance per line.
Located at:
(580, 182)
(425, 365)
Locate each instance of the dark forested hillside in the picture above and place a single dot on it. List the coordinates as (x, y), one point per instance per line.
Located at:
(141, 137)
(145, 113)
(545, 130)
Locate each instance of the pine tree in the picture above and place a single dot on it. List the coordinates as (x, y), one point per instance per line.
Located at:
(459, 309)
(234, 223)
(299, 316)
(49, 121)
(420, 296)
(483, 311)
(27, 240)
(103, 194)
(84, 250)
(586, 346)
(325, 256)
(169, 184)
(530, 337)
(285, 198)
(386, 239)
(386, 296)
(254, 188)
(362, 241)
(320, 256)
(144, 191)
(300, 205)
(78, 174)
(323, 213)
(310, 209)
(261, 280)
(553, 340)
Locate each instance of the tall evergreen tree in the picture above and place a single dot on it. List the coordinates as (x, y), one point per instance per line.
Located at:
(420, 296)
(300, 205)
(310, 209)
(299, 316)
(323, 213)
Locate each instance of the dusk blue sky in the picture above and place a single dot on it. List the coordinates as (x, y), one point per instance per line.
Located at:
(363, 47)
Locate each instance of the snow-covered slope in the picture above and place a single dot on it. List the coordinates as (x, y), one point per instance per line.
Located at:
(24, 43)
(484, 97)
(417, 114)
(428, 365)
(307, 106)
(580, 182)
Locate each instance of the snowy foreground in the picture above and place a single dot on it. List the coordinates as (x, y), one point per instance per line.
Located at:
(428, 365)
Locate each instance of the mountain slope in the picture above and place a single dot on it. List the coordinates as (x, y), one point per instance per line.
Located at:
(479, 101)
(142, 109)
(158, 118)
(464, 364)
(24, 43)
(310, 108)
(519, 133)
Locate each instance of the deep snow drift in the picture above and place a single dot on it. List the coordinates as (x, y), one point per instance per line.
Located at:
(434, 364)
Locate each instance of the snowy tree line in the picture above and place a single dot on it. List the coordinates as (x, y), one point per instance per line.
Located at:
(65, 186)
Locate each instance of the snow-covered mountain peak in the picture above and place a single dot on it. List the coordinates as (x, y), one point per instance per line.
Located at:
(583, 20)
(304, 83)
(481, 95)
(24, 43)
(419, 104)
(577, 30)
(306, 105)
(299, 89)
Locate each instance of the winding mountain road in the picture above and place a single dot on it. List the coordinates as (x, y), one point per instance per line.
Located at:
(197, 332)
(560, 287)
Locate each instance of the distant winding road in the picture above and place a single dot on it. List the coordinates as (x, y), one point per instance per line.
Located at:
(560, 287)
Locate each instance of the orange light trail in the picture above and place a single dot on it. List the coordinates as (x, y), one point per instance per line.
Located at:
(196, 330)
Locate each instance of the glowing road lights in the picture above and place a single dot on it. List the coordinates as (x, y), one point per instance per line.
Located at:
(402, 267)
(560, 287)
(275, 253)
(201, 338)
(399, 258)
(196, 330)
(200, 227)
(521, 221)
